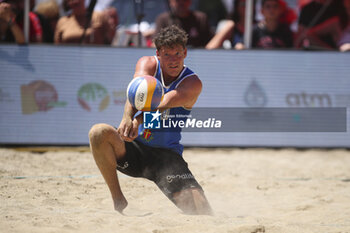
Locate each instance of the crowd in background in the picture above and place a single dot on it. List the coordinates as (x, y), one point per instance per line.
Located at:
(210, 24)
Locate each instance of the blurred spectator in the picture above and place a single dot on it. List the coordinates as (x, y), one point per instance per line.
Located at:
(35, 29)
(129, 36)
(195, 23)
(131, 13)
(228, 5)
(312, 15)
(101, 5)
(48, 13)
(270, 33)
(302, 3)
(232, 32)
(214, 9)
(151, 9)
(76, 28)
(344, 41)
(233, 29)
(112, 19)
(9, 29)
(288, 15)
(338, 28)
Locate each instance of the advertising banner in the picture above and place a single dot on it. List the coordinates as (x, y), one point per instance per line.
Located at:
(52, 95)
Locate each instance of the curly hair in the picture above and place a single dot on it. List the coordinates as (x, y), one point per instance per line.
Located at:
(170, 37)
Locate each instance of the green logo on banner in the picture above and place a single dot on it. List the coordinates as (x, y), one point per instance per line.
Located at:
(93, 96)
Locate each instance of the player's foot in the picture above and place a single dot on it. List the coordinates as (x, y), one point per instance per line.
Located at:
(120, 204)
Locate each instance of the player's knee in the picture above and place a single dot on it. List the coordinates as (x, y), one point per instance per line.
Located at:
(99, 133)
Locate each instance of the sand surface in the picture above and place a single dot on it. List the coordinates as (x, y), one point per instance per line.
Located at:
(250, 190)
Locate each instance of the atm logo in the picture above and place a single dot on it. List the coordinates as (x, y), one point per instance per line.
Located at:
(304, 99)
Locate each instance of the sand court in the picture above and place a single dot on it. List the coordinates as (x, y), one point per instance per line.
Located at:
(250, 190)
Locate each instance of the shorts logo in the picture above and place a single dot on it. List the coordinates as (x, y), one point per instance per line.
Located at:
(125, 165)
(170, 178)
(151, 120)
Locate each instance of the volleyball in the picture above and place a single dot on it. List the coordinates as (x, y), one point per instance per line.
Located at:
(145, 93)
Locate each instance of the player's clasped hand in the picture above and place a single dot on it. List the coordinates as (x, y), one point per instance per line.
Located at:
(128, 129)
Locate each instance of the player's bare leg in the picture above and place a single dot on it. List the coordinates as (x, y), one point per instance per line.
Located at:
(106, 146)
(192, 201)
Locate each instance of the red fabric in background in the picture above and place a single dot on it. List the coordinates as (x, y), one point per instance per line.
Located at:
(35, 29)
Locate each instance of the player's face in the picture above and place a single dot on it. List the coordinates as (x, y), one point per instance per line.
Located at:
(172, 60)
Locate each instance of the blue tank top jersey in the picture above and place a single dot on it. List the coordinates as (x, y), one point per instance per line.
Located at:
(166, 138)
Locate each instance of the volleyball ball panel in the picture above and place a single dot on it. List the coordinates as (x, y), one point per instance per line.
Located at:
(145, 93)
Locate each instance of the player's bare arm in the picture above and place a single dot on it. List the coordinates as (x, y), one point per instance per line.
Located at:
(145, 66)
(128, 127)
(185, 95)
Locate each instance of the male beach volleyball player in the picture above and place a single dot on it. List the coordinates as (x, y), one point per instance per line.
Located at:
(157, 157)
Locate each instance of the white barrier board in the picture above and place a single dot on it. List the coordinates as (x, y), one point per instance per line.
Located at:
(53, 95)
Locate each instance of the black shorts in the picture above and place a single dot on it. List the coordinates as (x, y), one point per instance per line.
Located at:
(163, 166)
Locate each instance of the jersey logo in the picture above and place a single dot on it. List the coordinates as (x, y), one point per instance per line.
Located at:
(147, 135)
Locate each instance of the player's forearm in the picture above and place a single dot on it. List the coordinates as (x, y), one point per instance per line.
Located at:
(129, 111)
(173, 99)
(184, 96)
(139, 119)
(166, 102)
